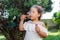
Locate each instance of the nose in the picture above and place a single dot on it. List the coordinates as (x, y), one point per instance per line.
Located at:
(30, 13)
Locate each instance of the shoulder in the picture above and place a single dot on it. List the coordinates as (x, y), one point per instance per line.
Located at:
(43, 24)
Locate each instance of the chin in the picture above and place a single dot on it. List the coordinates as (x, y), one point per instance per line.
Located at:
(32, 19)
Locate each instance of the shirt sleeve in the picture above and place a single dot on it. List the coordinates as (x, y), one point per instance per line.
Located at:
(43, 29)
(25, 26)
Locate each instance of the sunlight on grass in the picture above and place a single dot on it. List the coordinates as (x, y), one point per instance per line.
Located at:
(54, 33)
(2, 37)
(51, 36)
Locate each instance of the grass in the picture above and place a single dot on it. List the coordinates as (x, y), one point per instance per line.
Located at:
(51, 36)
(2, 37)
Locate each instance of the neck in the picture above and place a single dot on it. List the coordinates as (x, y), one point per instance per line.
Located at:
(35, 21)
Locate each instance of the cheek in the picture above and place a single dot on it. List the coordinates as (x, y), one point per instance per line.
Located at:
(36, 15)
(32, 16)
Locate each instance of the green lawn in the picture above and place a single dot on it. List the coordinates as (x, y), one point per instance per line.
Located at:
(51, 36)
(2, 37)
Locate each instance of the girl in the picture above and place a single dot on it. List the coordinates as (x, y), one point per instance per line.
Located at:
(35, 29)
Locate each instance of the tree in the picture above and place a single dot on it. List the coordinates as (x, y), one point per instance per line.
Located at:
(56, 19)
(11, 12)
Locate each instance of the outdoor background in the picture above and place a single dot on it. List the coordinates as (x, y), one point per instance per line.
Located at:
(11, 10)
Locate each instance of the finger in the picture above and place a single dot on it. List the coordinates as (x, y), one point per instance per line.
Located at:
(23, 16)
(36, 27)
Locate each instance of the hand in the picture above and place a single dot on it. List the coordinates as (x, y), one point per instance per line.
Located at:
(23, 17)
(37, 28)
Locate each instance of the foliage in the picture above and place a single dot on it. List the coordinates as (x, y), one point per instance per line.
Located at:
(56, 19)
(44, 3)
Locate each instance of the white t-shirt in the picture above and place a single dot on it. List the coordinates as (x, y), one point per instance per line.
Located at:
(31, 34)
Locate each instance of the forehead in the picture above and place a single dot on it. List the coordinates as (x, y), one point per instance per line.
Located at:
(33, 9)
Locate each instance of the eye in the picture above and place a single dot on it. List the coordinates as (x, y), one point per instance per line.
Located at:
(33, 11)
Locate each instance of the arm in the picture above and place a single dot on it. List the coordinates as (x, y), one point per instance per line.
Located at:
(21, 26)
(41, 33)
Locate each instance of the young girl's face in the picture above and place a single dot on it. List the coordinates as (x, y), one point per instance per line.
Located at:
(34, 13)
